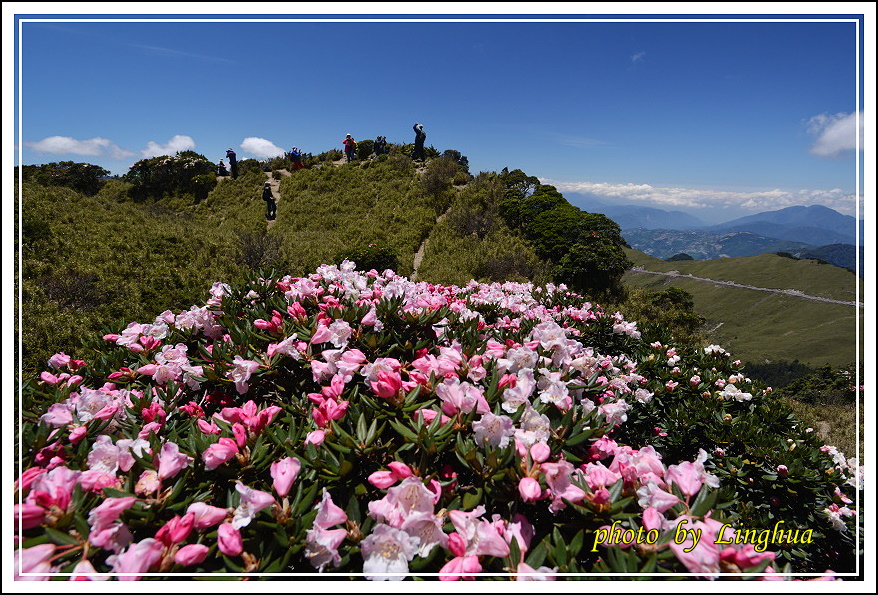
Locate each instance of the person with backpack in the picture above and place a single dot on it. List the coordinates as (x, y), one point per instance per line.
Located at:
(350, 147)
(233, 162)
(296, 158)
(270, 203)
(221, 169)
(420, 137)
(380, 146)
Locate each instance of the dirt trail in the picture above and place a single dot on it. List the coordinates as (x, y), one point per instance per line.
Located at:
(419, 255)
(791, 292)
(275, 189)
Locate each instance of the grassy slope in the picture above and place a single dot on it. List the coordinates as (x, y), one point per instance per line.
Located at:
(101, 261)
(757, 325)
(325, 210)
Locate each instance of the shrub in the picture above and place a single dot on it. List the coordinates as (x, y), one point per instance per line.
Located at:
(364, 148)
(680, 256)
(157, 177)
(373, 256)
(82, 177)
(348, 422)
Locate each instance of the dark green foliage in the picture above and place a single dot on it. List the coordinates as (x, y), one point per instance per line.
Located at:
(364, 148)
(664, 315)
(250, 165)
(784, 255)
(596, 267)
(585, 247)
(747, 441)
(455, 156)
(518, 184)
(370, 257)
(777, 374)
(439, 177)
(825, 386)
(82, 177)
(680, 256)
(187, 172)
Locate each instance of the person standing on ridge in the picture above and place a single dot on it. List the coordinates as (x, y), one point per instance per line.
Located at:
(270, 203)
(233, 162)
(380, 146)
(350, 145)
(221, 169)
(420, 137)
(296, 158)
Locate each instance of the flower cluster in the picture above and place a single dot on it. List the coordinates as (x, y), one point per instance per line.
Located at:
(359, 422)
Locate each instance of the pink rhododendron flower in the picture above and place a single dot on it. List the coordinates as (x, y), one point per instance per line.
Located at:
(35, 559)
(316, 437)
(387, 385)
(221, 452)
(459, 567)
(252, 501)
(229, 540)
(527, 573)
(408, 497)
(189, 555)
(493, 430)
(84, 571)
(529, 489)
(171, 460)
(321, 542)
(176, 530)
(206, 516)
(284, 473)
(241, 371)
(689, 476)
(138, 558)
(650, 494)
(148, 483)
(30, 515)
(387, 550)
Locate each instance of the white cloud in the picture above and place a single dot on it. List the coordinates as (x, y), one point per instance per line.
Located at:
(638, 56)
(179, 142)
(93, 147)
(690, 198)
(836, 134)
(261, 148)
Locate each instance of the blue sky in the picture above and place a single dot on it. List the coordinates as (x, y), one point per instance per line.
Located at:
(719, 119)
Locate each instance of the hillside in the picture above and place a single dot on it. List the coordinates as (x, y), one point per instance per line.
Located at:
(760, 325)
(96, 263)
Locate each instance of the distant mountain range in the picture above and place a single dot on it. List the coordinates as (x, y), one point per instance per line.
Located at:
(700, 245)
(816, 225)
(804, 232)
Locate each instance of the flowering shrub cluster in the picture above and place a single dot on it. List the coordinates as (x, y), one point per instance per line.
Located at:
(360, 423)
(186, 172)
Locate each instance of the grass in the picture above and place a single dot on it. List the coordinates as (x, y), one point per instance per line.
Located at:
(760, 326)
(325, 210)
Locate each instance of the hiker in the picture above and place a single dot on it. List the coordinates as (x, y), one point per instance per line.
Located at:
(350, 146)
(380, 146)
(296, 158)
(420, 137)
(270, 203)
(233, 162)
(221, 169)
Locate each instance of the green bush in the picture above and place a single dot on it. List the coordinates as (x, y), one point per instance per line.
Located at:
(187, 172)
(82, 177)
(370, 257)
